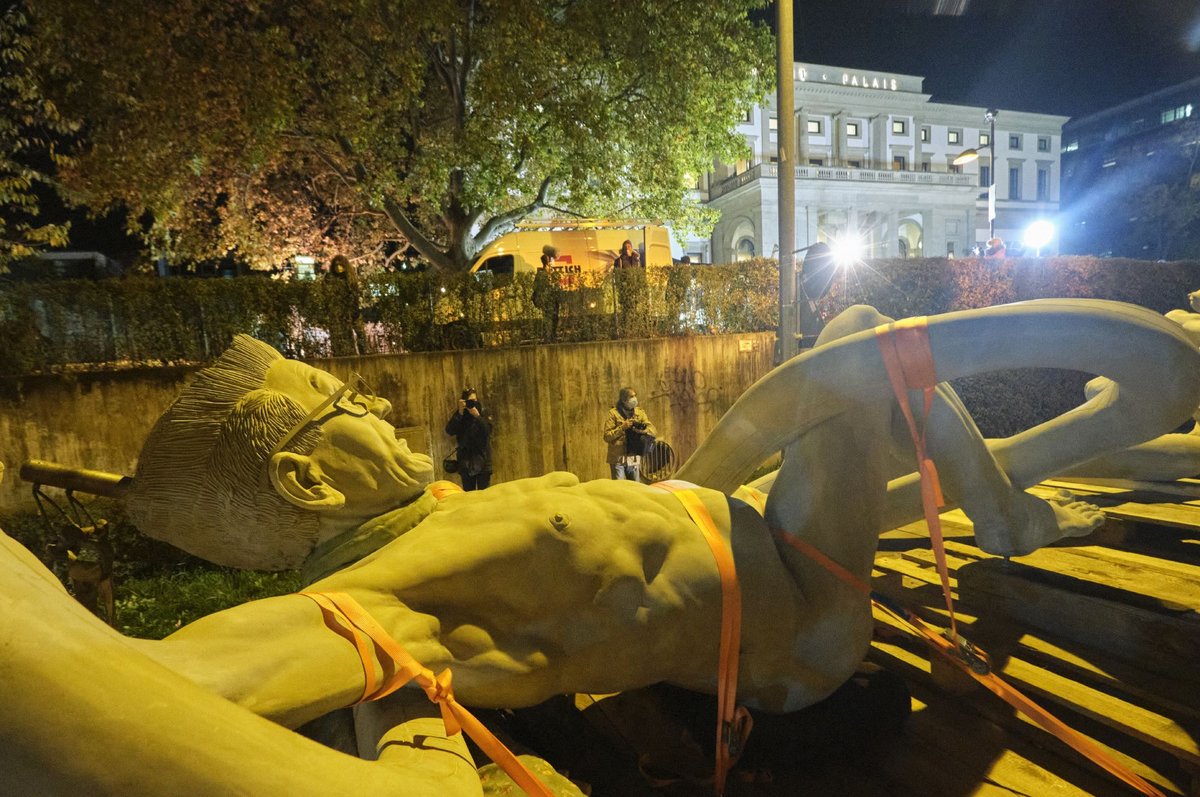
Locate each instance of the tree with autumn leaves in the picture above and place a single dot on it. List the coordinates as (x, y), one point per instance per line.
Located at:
(439, 123)
(32, 131)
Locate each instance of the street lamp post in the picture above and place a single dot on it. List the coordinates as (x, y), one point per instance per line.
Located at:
(966, 156)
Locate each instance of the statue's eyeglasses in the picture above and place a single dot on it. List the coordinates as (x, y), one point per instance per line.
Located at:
(353, 398)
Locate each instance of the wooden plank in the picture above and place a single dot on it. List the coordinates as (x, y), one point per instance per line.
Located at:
(1150, 727)
(1175, 738)
(1136, 633)
(1152, 641)
(948, 750)
(917, 667)
(1177, 584)
(1173, 696)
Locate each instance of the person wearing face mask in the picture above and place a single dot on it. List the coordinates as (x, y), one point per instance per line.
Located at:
(626, 431)
(471, 427)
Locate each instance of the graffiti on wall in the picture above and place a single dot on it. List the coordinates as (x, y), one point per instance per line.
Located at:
(684, 387)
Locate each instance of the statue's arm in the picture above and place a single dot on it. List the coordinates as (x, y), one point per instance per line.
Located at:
(81, 701)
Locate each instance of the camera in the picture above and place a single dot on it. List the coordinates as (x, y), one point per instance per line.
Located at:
(472, 404)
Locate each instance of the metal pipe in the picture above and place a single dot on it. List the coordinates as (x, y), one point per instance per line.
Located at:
(84, 480)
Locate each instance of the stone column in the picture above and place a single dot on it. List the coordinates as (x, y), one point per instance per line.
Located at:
(802, 137)
(878, 149)
(917, 143)
(837, 127)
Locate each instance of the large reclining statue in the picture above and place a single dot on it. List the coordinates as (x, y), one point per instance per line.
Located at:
(534, 587)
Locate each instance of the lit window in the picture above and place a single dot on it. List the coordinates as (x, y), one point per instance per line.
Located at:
(899, 126)
(1071, 146)
(1175, 114)
(1014, 141)
(773, 123)
(954, 137)
(899, 163)
(1043, 143)
(984, 139)
(852, 129)
(814, 126)
(1109, 163)
(749, 116)
(854, 164)
(925, 135)
(744, 250)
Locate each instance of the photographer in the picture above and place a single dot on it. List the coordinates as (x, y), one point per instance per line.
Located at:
(472, 429)
(627, 432)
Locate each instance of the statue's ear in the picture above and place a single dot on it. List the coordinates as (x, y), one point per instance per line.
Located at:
(296, 479)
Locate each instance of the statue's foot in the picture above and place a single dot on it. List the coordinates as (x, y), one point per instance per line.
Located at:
(1029, 523)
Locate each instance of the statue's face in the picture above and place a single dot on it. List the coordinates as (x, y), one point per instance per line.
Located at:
(360, 455)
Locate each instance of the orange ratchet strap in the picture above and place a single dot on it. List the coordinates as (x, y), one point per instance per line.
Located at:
(733, 722)
(906, 355)
(908, 358)
(346, 617)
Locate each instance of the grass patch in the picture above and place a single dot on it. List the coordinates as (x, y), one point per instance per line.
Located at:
(157, 588)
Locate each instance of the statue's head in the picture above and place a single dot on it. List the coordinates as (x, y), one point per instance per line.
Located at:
(257, 449)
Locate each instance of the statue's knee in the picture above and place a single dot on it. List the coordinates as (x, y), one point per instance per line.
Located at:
(852, 320)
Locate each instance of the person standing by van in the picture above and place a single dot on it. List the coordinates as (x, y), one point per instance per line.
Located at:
(627, 431)
(547, 290)
(628, 257)
(471, 426)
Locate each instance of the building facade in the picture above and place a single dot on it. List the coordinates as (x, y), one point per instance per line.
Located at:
(875, 158)
(1112, 160)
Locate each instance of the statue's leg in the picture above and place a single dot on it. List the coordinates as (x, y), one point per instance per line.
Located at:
(1154, 368)
(830, 491)
(1165, 458)
(1007, 520)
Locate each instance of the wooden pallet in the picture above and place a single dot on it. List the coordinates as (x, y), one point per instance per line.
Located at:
(1102, 631)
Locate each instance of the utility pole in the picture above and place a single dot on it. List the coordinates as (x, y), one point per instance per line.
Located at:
(787, 342)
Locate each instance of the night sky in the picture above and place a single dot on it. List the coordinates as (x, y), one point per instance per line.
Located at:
(1068, 57)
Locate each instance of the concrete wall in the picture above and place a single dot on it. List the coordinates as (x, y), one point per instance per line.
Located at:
(548, 402)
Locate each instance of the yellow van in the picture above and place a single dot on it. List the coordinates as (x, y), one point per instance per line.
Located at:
(582, 246)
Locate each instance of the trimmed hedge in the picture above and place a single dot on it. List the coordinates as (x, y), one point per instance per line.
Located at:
(902, 288)
(55, 324)
(51, 324)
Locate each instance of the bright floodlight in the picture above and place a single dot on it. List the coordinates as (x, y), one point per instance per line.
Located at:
(1038, 234)
(846, 250)
(966, 156)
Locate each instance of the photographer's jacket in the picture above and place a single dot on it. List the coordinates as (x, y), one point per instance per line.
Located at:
(616, 437)
(474, 441)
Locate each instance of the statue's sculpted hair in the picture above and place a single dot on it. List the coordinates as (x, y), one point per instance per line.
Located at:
(201, 481)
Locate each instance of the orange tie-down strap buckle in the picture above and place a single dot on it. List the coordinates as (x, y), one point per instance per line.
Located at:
(908, 358)
(346, 617)
(733, 721)
(441, 489)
